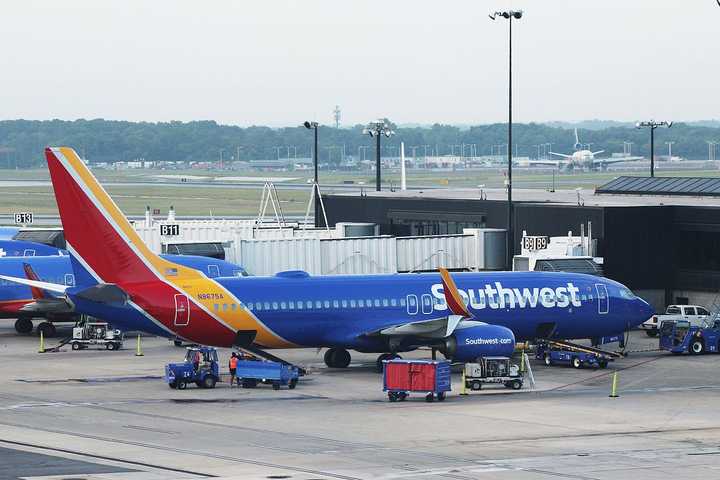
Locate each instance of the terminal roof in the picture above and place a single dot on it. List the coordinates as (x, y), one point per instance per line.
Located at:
(585, 196)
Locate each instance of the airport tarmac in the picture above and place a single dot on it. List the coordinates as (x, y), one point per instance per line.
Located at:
(95, 414)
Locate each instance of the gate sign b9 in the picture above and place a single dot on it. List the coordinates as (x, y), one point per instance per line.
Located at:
(170, 230)
(23, 217)
(534, 243)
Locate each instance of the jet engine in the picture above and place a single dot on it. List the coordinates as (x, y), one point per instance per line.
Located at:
(471, 340)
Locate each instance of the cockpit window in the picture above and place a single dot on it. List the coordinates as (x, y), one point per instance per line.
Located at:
(626, 293)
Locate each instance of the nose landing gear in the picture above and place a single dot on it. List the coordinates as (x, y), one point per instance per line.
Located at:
(337, 358)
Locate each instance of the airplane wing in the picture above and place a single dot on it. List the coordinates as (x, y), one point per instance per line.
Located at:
(51, 287)
(611, 160)
(549, 163)
(438, 327)
(561, 155)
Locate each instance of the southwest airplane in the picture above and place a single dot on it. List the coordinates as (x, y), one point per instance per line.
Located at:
(24, 303)
(464, 316)
(21, 248)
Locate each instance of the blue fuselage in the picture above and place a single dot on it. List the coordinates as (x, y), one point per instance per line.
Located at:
(348, 311)
(338, 310)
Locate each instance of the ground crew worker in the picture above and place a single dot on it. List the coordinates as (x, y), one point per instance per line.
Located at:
(232, 364)
(196, 360)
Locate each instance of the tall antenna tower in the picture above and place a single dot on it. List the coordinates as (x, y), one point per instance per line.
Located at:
(336, 116)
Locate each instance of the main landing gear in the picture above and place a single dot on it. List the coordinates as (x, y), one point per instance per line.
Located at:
(23, 325)
(48, 329)
(337, 358)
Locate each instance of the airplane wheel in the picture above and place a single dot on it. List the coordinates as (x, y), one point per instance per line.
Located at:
(48, 329)
(384, 356)
(23, 325)
(337, 358)
(178, 343)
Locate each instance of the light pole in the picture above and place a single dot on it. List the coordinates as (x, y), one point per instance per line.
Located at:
(652, 125)
(377, 129)
(314, 126)
(509, 15)
(316, 188)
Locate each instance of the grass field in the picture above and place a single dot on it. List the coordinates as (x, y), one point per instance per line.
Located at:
(245, 201)
(187, 201)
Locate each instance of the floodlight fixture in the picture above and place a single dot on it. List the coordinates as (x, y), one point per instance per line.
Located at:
(506, 14)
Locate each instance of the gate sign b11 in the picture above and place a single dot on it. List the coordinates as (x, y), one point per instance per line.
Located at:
(534, 243)
(23, 218)
(170, 230)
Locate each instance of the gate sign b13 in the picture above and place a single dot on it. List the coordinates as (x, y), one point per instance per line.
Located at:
(170, 230)
(534, 243)
(23, 217)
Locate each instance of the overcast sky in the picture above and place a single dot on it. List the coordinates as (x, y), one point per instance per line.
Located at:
(279, 62)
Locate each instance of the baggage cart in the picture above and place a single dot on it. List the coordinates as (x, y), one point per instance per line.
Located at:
(401, 377)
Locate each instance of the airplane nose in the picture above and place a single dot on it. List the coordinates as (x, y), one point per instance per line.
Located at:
(645, 309)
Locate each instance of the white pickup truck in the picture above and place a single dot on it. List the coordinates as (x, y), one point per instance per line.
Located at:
(695, 314)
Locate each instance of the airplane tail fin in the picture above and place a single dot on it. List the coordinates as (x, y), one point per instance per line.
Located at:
(100, 239)
(577, 140)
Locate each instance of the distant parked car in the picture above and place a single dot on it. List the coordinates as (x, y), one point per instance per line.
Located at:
(695, 314)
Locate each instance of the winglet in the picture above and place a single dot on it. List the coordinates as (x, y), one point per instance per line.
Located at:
(452, 295)
(37, 293)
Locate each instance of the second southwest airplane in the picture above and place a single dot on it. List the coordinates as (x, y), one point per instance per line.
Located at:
(464, 316)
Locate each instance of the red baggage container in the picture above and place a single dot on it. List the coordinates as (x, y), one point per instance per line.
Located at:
(428, 376)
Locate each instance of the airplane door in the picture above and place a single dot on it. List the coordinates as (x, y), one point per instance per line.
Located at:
(213, 271)
(603, 300)
(182, 310)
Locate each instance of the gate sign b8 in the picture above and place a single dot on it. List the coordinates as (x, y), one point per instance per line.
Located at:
(23, 218)
(170, 230)
(534, 243)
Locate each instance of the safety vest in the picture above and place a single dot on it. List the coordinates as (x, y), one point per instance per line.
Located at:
(233, 362)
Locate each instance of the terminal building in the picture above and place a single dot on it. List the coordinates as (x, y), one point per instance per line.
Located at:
(658, 236)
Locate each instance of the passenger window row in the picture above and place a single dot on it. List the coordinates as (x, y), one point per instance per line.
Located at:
(313, 304)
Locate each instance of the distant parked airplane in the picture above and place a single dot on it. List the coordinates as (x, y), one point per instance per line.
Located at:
(582, 158)
(464, 316)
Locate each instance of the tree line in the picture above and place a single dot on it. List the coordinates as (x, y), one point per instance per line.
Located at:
(22, 141)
